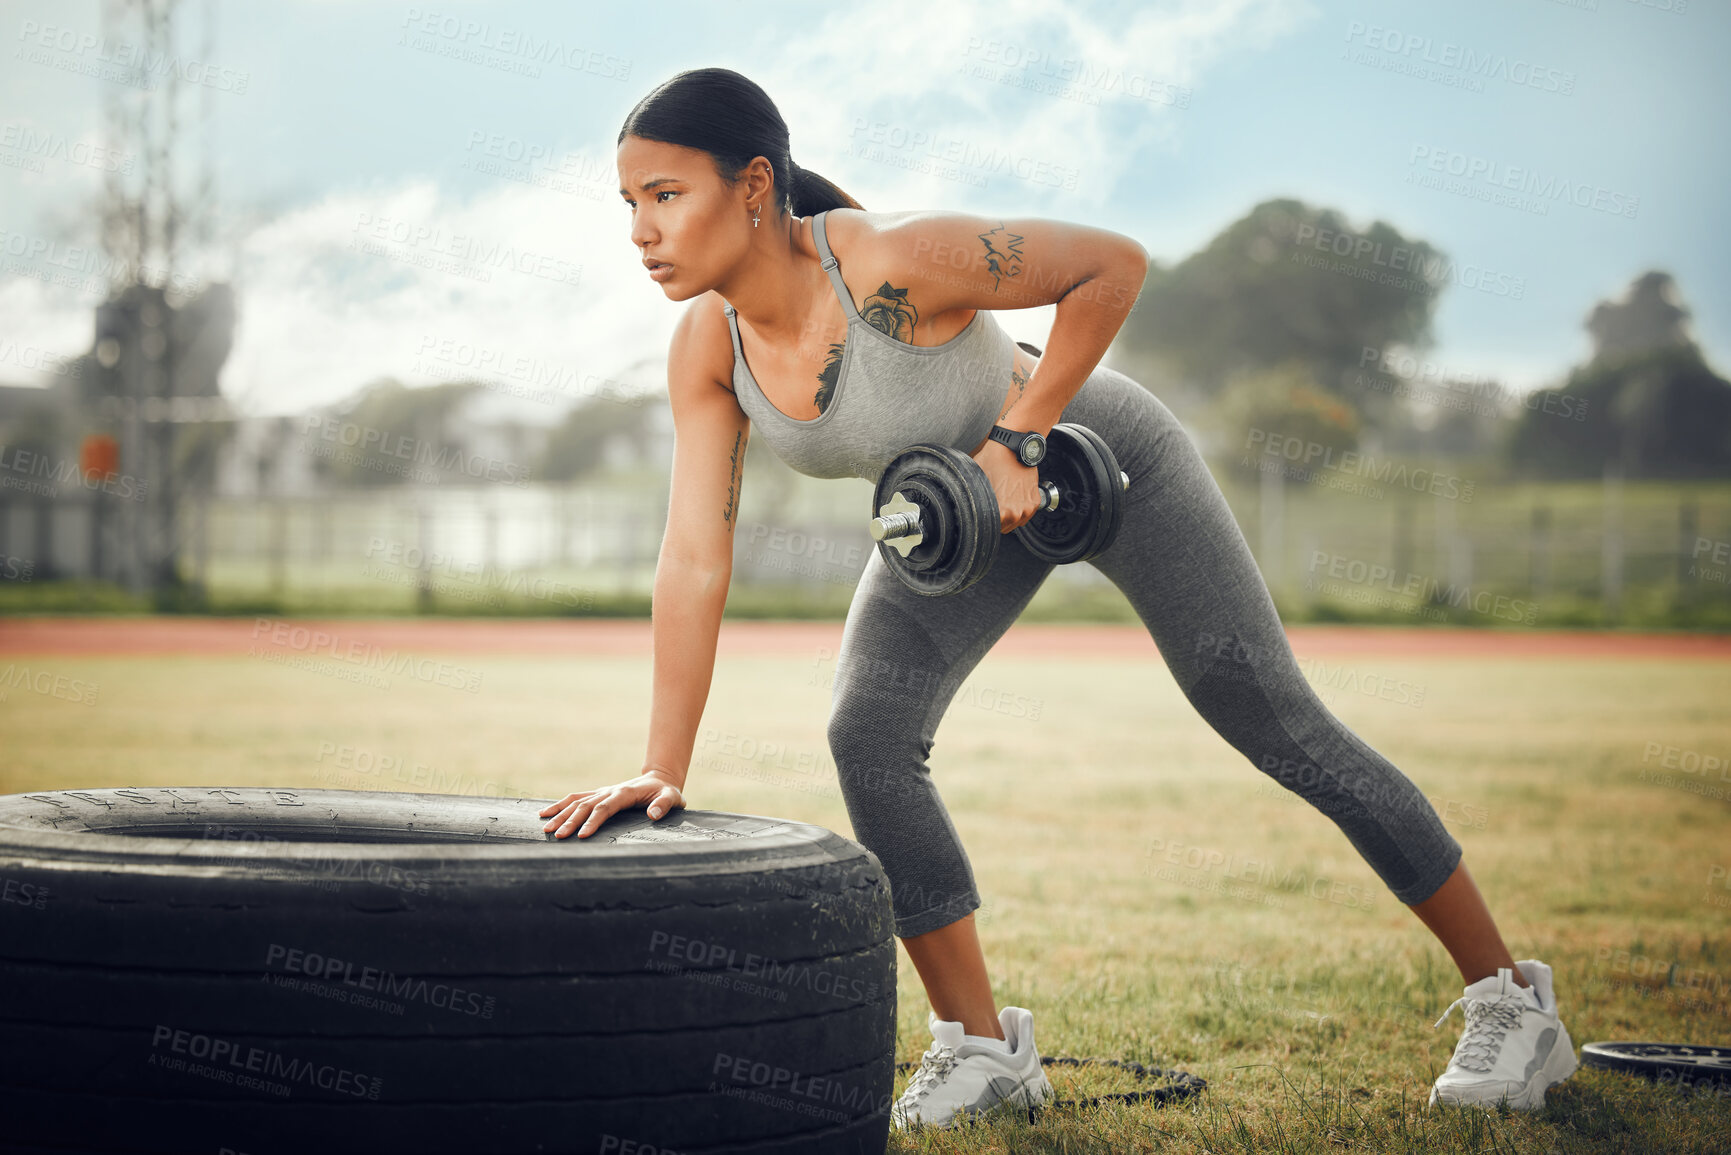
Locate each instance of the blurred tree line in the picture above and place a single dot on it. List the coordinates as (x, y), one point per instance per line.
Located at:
(1295, 321)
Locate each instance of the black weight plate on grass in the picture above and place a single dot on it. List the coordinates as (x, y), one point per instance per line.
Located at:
(958, 513)
(1667, 1062)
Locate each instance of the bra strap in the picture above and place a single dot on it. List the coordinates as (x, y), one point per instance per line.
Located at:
(733, 329)
(738, 349)
(832, 266)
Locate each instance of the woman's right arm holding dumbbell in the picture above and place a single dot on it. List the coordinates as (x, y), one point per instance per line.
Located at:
(691, 578)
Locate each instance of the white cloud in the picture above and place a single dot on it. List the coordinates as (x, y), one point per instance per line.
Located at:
(41, 325)
(319, 318)
(511, 284)
(1019, 105)
(1008, 85)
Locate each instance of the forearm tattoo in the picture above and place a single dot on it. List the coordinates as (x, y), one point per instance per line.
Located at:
(730, 508)
(1003, 254)
(1020, 380)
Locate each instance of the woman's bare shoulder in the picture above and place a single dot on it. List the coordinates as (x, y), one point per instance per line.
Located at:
(859, 232)
(702, 347)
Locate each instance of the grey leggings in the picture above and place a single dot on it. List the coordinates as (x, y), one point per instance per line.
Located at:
(1187, 571)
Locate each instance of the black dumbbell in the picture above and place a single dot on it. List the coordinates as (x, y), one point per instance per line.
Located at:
(937, 517)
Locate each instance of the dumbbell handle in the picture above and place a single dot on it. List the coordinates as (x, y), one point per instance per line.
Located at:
(891, 525)
(895, 525)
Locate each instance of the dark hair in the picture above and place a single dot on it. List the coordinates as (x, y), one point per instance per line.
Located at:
(728, 116)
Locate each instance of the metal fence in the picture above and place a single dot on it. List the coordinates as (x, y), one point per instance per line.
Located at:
(1508, 553)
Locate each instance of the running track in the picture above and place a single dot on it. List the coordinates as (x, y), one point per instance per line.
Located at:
(129, 637)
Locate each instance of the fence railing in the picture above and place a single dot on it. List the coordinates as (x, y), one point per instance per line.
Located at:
(1517, 554)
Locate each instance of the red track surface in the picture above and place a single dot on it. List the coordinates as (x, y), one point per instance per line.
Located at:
(143, 636)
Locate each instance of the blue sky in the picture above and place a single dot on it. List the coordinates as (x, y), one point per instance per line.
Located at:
(361, 144)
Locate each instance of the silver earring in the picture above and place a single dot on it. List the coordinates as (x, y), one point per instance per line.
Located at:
(754, 213)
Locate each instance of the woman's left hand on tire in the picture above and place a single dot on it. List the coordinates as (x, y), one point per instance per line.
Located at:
(653, 789)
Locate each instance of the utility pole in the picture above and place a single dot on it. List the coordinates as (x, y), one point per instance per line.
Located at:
(157, 243)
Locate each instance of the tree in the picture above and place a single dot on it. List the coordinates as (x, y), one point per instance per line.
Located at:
(1287, 402)
(388, 433)
(1648, 403)
(1651, 316)
(1287, 283)
(577, 445)
(1658, 413)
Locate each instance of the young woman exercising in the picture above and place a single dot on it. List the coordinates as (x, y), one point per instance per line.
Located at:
(839, 375)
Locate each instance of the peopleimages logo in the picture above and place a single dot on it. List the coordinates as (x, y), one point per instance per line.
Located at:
(519, 49)
(47, 683)
(1072, 77)
(88, 54)
(1406, 376)
(1374, 575)
(36, 146)
(39, 474)
(412, 457)
(880, 140)
(232, 1062)
(1497, 176)
(405, 564)
(770, 1084)
(1260, 871)
(1315, 455)
(275, 638)
(36, 358)
(529, 376)
(1428, 272)
(429, 246)
(707, 956)
(1423, 55)
(381, 981)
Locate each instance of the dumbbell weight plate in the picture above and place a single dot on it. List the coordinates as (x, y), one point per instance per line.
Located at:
(1091, 492)
(958, 519)
(1112, 497)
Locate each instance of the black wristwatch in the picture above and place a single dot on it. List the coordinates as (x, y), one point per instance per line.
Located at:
(1029, 448)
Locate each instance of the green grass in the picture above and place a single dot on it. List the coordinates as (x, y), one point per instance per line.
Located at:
(1310, 1019)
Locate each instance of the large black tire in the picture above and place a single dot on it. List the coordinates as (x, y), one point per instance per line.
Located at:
(431, 973)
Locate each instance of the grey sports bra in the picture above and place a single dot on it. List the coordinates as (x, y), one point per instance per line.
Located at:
(888, 395)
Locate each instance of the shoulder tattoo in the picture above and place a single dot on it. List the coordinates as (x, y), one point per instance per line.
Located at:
(888, 311)
(1003, 254)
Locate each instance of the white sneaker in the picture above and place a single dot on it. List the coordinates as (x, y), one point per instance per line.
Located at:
(1514, 1045)
(958, 1078)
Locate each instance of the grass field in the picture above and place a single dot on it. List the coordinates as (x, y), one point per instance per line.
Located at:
(1310, 1017)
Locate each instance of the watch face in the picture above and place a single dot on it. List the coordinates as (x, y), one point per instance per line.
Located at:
(1033, 449)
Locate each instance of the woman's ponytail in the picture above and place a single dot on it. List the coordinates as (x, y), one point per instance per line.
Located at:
(728, 116)
(810, 193)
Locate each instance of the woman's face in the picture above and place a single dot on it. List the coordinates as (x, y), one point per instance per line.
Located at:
(683, 215)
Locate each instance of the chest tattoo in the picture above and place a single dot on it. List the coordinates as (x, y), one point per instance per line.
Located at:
(826, 378)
